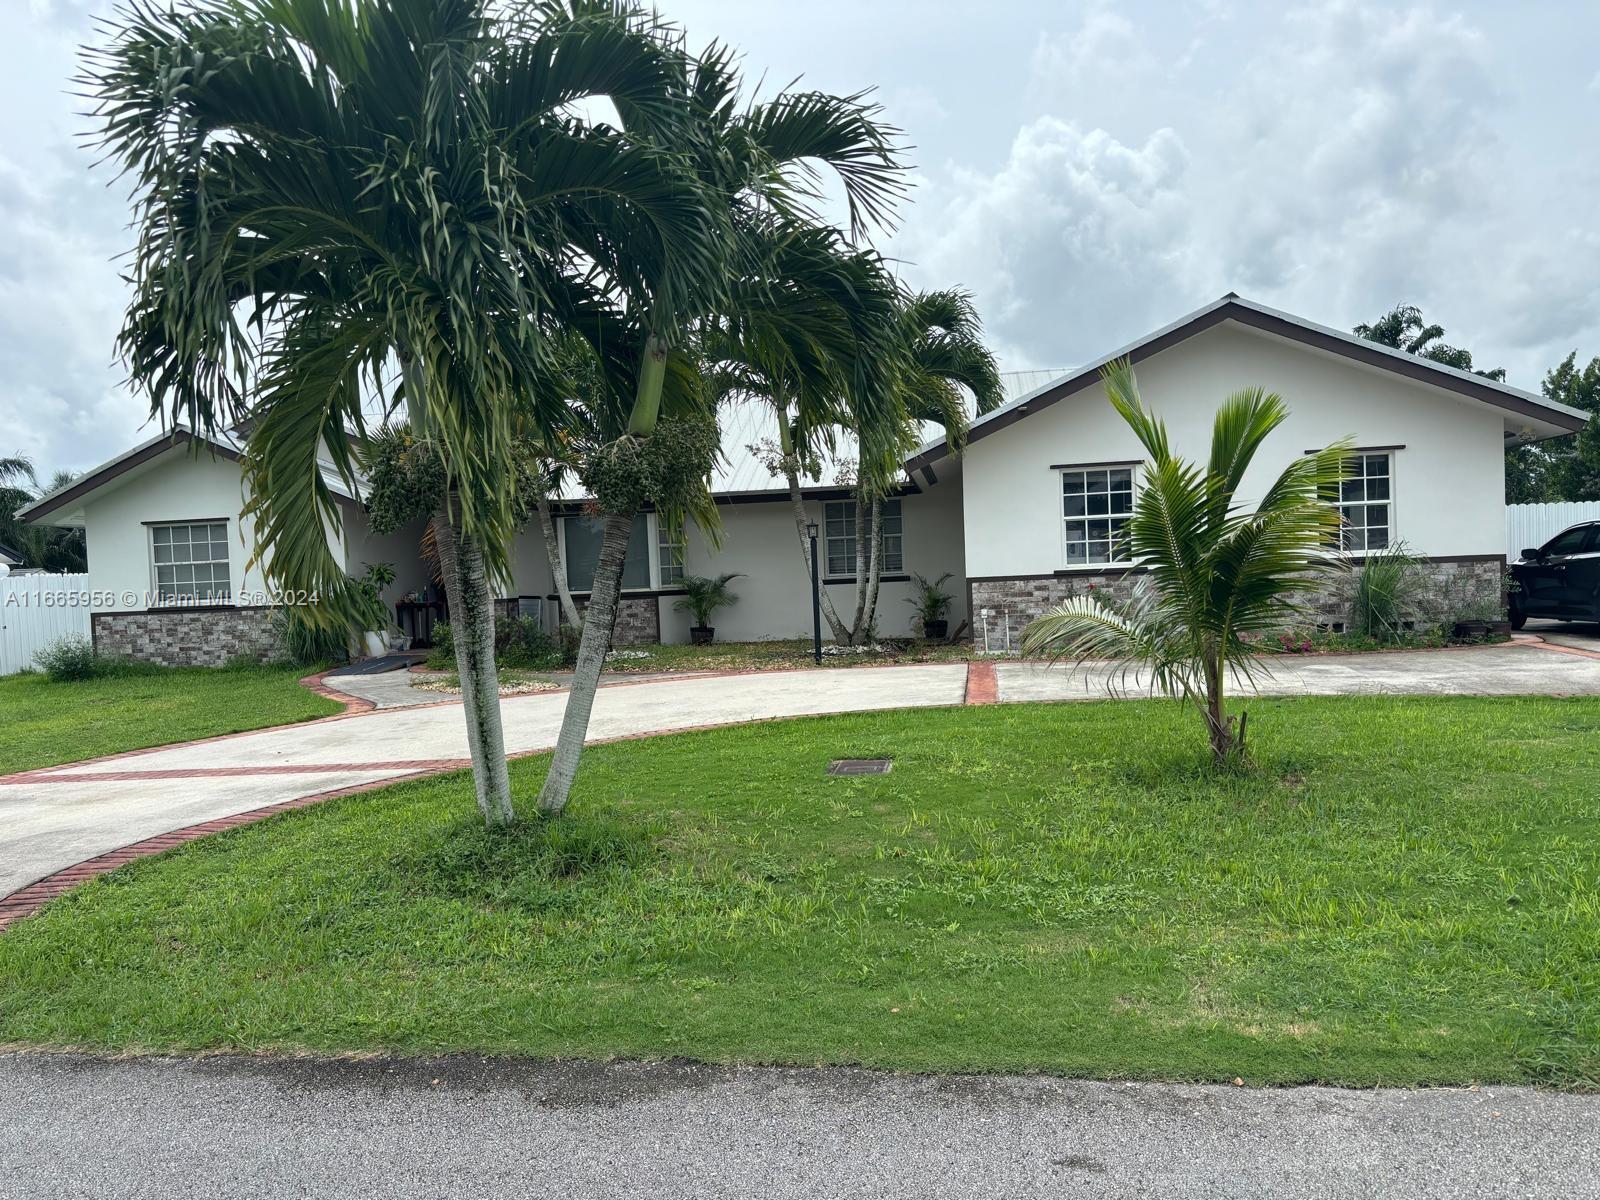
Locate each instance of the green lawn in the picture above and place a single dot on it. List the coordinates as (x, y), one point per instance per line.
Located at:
(44, 723)
(1405, 892)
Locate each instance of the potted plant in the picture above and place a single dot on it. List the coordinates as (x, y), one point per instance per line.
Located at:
(702, 596)
(932, 603)
(372, 582)
(1484, 618)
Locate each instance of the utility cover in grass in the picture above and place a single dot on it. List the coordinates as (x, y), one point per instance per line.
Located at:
(860, 766)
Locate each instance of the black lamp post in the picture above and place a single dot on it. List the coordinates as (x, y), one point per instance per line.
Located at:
(816, 598)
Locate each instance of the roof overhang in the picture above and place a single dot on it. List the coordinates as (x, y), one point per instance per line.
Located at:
(64, 505)
(1529, 417)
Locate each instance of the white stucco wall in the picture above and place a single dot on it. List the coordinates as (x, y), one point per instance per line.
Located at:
(759, 542)
(1449, 489)
(399, 549)
(174, 487)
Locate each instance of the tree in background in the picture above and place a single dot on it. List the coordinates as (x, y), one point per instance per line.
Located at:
(54, 548)
(1528, 467)
(1574, 461)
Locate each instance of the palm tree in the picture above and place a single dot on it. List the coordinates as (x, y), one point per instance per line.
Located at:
(751, 165)
(942, 361)
(54, 548)
(391, 198)
(813, 335)
(1216, 571)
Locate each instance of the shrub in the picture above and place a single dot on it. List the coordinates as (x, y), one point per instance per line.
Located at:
(443, 655)
(1384, 593)
(297, 640)
(519, 642)
(70, 660)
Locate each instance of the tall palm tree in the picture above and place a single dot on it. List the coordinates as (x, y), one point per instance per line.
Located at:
(391, 198)
(813, 334)
(942, 360)
(1217, 572)
(751, 163)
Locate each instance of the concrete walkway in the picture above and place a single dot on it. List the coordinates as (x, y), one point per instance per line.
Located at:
(57, 817)
(222, 1128)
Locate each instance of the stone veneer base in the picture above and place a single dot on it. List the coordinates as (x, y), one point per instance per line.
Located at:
(1453, 583)
(185, 637)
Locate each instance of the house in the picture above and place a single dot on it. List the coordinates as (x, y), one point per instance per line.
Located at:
(1025, 516)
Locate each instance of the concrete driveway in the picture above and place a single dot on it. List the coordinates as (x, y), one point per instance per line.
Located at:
(222, 1128)
(54, 818)
(1579, 636)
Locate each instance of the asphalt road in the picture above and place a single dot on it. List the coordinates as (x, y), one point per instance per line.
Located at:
(223, 1128)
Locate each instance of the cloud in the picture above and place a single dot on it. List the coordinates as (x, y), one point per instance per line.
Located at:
(1350, 159)
(1071, 215)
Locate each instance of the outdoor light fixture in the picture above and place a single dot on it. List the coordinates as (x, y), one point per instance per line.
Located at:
(816, 597)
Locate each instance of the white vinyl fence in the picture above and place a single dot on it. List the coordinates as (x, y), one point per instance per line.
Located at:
(1535, 524)
(35, 610)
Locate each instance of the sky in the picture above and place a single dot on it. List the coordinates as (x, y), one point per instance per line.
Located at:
(1089, 171)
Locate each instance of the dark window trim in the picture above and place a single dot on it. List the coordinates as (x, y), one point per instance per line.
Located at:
(1366, 449)
(1097, 466)
(191, 521)
(897, 578)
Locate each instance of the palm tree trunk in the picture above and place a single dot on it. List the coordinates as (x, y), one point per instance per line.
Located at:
(466, 587)
(857, 626)
(798, 503)
(558, 566)
(599, 622)
(874, 567)
(1219, 726)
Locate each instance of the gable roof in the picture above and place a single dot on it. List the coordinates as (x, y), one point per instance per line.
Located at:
(1232, 307)
(223, 445)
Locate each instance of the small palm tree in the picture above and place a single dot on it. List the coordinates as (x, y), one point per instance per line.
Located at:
(1217, 572)
(703, 595)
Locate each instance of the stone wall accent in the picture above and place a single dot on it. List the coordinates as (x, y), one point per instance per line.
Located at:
(1014, 603)
(1455, 586)
(185, 637)
(638, 620)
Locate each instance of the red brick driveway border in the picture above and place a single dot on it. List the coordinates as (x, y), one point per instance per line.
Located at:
(982, 688)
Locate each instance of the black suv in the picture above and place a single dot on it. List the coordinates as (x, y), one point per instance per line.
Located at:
(1560, 579)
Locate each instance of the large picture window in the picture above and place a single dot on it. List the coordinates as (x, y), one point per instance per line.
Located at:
(1096, 503)
(191, 563)
(840, 525)
(583, 535)
(1366, 504)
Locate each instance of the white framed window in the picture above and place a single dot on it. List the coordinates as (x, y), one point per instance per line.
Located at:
(1366, 503)
(669, 555)
(1096, 503)
(190, 563)
(841, 520)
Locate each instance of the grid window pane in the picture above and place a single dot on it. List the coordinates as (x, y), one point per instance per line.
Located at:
(669, 556)
(839, 521)
(1365, 514)
(191, 563)
(1095, 505)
